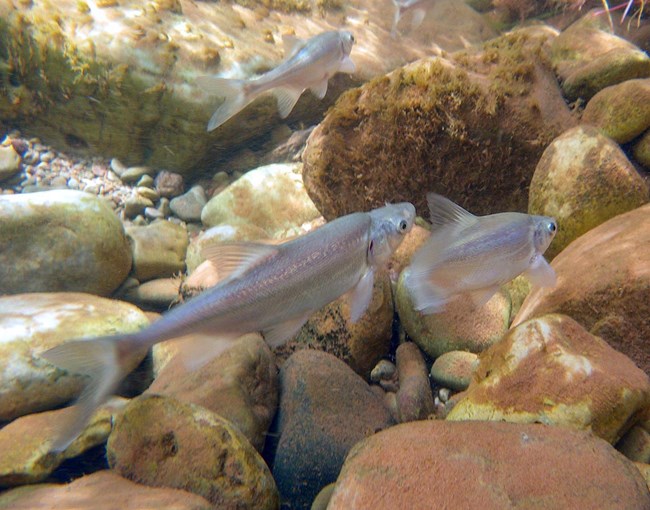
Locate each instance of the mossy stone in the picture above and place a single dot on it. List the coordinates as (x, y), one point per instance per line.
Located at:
(454, 369)
(641, 150)
(582, 180)
(158, 249)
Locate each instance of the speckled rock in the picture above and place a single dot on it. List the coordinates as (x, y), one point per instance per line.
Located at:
(622, 111)
(169, 184)
(641, 150)
(588, 57)
(158, 249)
(271, 197)
(414, 398)
(9, 161)
(241, 385)
(188, 206)
(551, 370)
(604, 283)
(582, 180)
(103, 490)
(157, 294)
(454, 369)
(458, 327)
(136, 204)
(325, 408)
(436, 117)
(492, 466)
(32, 323)
(26, 442)
(61, 241)
(360, 345)
(160, 441)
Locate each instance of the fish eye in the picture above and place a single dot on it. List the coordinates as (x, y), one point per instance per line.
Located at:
(403, 226)
(552, 227)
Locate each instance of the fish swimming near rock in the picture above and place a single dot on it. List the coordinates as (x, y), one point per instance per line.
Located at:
(471, 256)
(309, 65)
(417, 7)
(273, 289)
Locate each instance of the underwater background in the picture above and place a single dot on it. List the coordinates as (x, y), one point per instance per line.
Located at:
(114, 189)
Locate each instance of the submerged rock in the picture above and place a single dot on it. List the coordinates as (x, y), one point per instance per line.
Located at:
(325, 408)
(604, 283)
(454, 369)
(160, 441)
(241, 385)
(61, 241)
(641, 150)
(158, 249)
(470, 127)
(9, 161)
(551, 370)
(33, 323)
(104, 490)
(414, 399)
(582, 180)
(486, 465)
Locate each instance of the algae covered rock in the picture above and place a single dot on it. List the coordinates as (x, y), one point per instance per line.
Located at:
(582, 180)
(272, 198)
(160, 441)
(61, 241)
(158, 249)
(240, 385)
(470, 127)
(459, 327)
(33, 323)
(621, 112)
(103, 490)
(486, 465)
(641, 150)
(551, 370)
(603, 282)
(588, 57)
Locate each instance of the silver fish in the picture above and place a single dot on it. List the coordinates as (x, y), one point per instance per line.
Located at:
(417, 7)
(469, 255)
(308, 65)
(272, 289)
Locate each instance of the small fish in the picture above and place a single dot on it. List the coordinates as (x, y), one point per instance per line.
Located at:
(273, 289)
(469, 255)
(308, 65)
(417, 7)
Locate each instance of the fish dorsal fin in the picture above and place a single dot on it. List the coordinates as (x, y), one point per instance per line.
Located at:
(445, 213)
(287, 99)
(320, 90)
(361, 295)
(291, 44)
(277, 335)
(418, 17)
(234, 259)
(347, 66)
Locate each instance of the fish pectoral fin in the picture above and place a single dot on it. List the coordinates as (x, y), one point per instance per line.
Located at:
(232, 260)
(540, 273)
(444, 212)
(199, 348)
(361, 295)
(418, 17)
(291, 45)
(281, 333)
(320, 90)
(347, 66)
(287, 98)
(480, 297)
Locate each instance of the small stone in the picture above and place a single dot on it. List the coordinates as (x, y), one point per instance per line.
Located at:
(383, 370)
(134, 173)
(188, 207)
(641, 150)
(149, 193)
(153, 213)
(59, 182)
(164, 207)
(158, 250)
(136, 204)
(90, 188)
(414, 398)
(454, 369)
(9, 162)
(145, 181)
(635, 445)
(118, 167)
(169, 184)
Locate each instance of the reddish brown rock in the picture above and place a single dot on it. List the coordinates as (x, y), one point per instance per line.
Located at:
(414, 398)
(551, 370)
(240, 385)
(604, 284)
(486, 465)
(104, 490)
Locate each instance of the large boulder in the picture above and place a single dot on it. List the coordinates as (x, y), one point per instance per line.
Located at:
(118, 78)
(61, 240)
(33, 323)
(582, 180)
(471, 127)
(325, 408)
(551, 370)
(604, 283)
(160, 441)
(440, 464)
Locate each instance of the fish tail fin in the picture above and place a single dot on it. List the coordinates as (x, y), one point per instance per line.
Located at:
(99, 359)
(236, 96)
